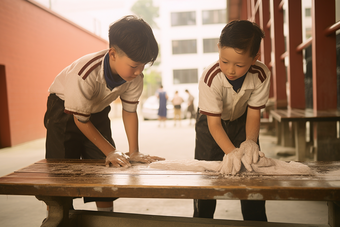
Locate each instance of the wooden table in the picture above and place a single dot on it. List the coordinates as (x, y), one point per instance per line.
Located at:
(57, 182)
(299, 118)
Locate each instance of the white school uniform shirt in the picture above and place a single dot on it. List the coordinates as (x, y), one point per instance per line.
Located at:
(218, 98)
(83, 87)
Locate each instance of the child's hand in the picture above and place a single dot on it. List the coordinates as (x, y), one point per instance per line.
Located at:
(231, 163)
(139, 157)
(117, 159)
(251, 153)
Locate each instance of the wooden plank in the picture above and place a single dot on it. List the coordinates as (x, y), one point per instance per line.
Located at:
(324, 131)
(174, 181)
(53, 182)
(231, 193)
(57, 167)
(83, 161)
(325, 185)
(306, 115)
(98, 168)
(140, 169)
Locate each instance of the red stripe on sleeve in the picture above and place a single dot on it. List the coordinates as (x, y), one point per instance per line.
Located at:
(209, 72)
(89, 63)
(213, 76)
(257, 107)
(91, 69)
(136, 102)
(260, 72)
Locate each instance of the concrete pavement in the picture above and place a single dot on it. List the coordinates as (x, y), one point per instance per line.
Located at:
(169, 142)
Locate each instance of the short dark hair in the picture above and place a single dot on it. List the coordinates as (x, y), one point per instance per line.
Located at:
(243, 35)
(135, 38)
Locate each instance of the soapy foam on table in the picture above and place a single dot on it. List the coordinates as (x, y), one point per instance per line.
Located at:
(279, 167)
(186, 165)
(265, 166)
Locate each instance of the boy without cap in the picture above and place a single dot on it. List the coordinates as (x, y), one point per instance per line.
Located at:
(231, 93)
(76, 119)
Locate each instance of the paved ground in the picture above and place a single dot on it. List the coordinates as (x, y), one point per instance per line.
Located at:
(169, 142)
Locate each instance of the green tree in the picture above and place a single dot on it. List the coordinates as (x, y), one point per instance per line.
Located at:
(146, 10)
(152, 81)
(152, 78)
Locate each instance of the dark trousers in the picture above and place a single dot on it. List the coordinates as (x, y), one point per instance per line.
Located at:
(207, 149)
(252, 210)
(65, 141)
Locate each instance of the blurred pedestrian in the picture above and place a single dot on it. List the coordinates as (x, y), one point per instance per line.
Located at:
(191, 108)
(162, 111)
(177, 102)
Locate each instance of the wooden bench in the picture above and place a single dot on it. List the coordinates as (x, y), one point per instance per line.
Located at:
(57, 182)
(323, 130)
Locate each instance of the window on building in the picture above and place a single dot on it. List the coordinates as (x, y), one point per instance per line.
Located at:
(214, 16)
(210, 45)
(184, 46)
(183, 18)
(307, 12)
(308, 32)
(185, 76)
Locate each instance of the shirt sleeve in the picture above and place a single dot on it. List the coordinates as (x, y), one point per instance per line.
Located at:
(210, 97)
(130, 98)
(260, 94)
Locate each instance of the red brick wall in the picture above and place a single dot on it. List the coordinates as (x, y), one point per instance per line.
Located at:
(35, 45)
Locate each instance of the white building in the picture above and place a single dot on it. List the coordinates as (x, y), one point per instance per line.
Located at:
(189, 33)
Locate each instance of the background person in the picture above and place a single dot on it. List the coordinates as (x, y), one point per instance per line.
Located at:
(191, 107)
(162, 110)
(177, 102)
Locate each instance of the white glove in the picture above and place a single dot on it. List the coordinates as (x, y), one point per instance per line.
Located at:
(231, 163)
(264, 162)
(251, 153)
(141, 158)
(117, 159)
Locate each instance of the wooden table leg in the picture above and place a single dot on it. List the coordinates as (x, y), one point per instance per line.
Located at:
(333, 213)
(278, 127)
(58, 210)
(326, 143)
(287, 140)
(300, 140)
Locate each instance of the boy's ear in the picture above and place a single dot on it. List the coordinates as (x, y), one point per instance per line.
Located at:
(257, 56)
(112, 53)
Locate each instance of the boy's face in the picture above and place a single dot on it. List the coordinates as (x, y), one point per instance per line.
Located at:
(234, 63)
(123, 66)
